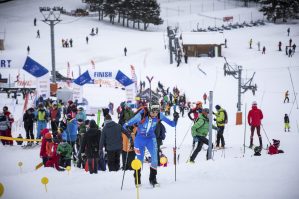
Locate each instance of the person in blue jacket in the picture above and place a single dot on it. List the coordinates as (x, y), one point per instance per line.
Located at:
(147, 122)
(70, 133)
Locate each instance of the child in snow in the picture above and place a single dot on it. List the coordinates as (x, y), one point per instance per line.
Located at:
(43, 153)
(64, 149)
(273, 149)
(51, 150)
(286, 123)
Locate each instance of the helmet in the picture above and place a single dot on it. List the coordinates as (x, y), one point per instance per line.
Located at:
(257, 149)
(48, 136)
(54, 103)
(80, 108)
(206, 110)
(254, 103)
(154, 106)
(217, 107)
(276, 142)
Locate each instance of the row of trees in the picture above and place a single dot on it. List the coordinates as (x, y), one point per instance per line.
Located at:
(280, 9)
(125, 11)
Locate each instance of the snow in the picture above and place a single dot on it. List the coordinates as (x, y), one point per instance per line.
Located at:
(229, 174)
(202, 38)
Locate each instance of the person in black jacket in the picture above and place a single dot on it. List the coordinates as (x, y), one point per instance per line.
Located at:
(90, 147)
(111, 138)
(28, 119)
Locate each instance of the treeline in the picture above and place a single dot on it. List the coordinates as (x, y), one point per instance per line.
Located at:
(126, 12)
(280, 10)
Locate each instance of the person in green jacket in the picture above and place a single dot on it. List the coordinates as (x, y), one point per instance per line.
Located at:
(199, 132)
(64, 150)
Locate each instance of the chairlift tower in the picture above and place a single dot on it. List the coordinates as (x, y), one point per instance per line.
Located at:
(52, 17)
(171, 33)
(237, 74)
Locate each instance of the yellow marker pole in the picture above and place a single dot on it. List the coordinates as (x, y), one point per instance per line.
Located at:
(20, 164)
(163, 160)
(1, 190)
(136, 165)
(68, 168)
(45, 181)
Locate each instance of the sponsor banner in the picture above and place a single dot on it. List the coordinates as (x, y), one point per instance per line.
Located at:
(77, 93)
(43, 86)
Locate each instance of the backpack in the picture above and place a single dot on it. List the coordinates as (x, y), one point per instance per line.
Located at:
(225, 116)
(162, 131)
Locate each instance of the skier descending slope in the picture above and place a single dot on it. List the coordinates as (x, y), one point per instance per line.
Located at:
(147, 122)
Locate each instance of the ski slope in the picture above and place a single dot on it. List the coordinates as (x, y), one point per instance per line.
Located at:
(231, 174)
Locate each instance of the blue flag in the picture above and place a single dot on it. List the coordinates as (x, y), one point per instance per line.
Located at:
(34, 68)
(123, 79)
(83, 79)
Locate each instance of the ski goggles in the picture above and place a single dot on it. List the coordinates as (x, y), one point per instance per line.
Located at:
(155, 109)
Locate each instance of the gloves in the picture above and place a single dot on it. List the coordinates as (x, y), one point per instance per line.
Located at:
(131, 144)
(176, 116)
(215, 119)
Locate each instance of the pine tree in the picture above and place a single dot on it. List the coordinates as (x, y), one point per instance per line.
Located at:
(279, 9)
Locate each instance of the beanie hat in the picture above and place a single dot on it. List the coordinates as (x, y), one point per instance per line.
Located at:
(276, 142)
(217, 107)
(254, 103)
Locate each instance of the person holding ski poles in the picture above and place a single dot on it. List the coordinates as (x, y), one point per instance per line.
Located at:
(254, 118)
(199, 132)
(196, 111)
(147, 122)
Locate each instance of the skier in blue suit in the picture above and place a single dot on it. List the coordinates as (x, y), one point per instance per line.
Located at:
(146, 136)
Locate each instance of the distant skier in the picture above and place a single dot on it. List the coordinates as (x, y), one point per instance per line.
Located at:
(92, 31)
(28, 50)
(255, 117)
(125, 51)
(250, 43)
(286, 97)
(71, 42)
(290, 42)
(186, 58)
(286, 123)
(264, 50)
(290, 52)
(294, 48)
(34, 21)
(288, 30)
(37, 34)
(86, 39)
(279, 46)
(225, 43)
(259, 46)
(97, 30)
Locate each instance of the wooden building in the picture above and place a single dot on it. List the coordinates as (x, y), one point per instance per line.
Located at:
(202, 44)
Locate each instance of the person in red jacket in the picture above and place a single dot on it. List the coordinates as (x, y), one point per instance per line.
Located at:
(273, 149)
(43, 150)
(11, 120)
(254, 117)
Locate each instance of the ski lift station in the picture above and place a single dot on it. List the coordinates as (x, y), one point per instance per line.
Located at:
(202, 44)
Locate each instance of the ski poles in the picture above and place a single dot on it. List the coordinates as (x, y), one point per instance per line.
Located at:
(265, 134)
(126, 162)
(245, 130)
(175, 153)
